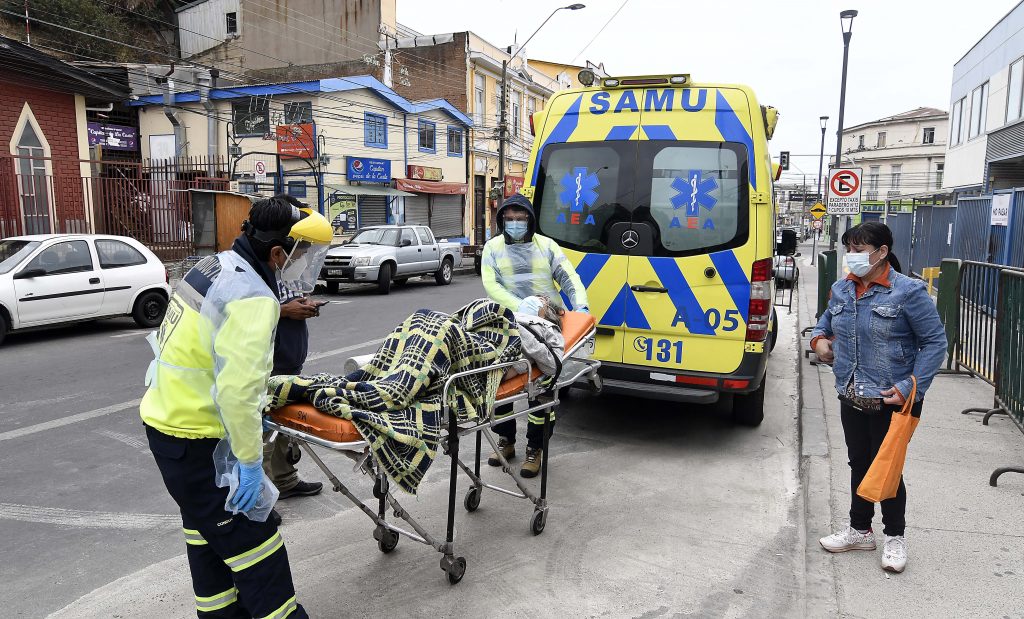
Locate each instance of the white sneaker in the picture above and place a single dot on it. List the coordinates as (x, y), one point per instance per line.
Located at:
(848, 539)
(894, 554)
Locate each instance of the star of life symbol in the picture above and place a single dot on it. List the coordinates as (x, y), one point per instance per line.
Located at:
(579, 189)
(694, 192)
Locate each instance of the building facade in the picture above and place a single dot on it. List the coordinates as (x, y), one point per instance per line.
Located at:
(254, 35)
(351, 146)
(901, 157)
(44, 160)
(986, 132)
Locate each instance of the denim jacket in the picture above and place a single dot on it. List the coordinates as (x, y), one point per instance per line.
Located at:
(884, 337)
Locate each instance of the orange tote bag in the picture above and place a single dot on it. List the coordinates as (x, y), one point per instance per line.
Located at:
(883, 478)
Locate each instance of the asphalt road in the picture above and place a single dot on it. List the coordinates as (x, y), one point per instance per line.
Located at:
(657, 509)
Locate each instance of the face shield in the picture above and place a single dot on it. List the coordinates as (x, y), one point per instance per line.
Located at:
(302, 268)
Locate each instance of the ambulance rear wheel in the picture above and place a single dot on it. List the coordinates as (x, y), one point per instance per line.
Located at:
(748, 408)
(775, 332)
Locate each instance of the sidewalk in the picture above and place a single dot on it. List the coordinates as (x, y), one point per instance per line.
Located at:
(965, 538)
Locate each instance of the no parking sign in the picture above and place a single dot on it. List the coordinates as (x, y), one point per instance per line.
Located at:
(844, 191)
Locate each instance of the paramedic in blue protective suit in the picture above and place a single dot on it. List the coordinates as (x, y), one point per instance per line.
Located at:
(202, 411)
(520, 268)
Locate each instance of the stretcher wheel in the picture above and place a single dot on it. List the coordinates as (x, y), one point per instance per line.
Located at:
(472, 499)
(538, 521)
(293, 455)
(388, 541)
(454, 567)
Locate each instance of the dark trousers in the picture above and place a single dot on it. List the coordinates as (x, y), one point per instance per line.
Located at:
(865, 431)
(534, 426)
(239, 567)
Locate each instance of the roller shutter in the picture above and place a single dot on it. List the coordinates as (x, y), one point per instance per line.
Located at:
(446, 215)
(373, 211)
(417, 210)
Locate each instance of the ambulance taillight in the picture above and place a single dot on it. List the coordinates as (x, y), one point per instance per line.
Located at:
(760, 308)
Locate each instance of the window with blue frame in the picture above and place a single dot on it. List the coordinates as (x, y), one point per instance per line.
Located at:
(375, 130)
(428, 136)
(455, 141)
(297, 189)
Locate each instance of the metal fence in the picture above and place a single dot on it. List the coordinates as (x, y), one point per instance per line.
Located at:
(147, 200)
(902, 226)
(1009, 378)
(932, 237)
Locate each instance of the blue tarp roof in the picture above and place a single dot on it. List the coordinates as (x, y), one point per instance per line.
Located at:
(334, 84)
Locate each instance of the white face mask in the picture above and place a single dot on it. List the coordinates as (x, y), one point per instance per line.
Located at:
(859, 263)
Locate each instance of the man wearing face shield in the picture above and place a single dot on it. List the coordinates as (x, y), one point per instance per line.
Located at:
(207, 388)
(520, 269)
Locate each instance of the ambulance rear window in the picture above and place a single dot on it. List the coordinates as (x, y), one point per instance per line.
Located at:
(690, 193)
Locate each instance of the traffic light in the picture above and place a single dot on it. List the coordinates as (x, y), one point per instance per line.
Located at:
(784, 160)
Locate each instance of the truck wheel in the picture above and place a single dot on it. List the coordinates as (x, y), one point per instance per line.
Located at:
(149, 309)
(443, 276)
(384, 278)
(333, 287)
(748, 408)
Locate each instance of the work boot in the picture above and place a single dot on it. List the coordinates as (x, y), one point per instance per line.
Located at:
(507, 449)
(303, 488)
(533, 459)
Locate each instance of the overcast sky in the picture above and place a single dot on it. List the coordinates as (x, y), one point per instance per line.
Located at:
(789, 51)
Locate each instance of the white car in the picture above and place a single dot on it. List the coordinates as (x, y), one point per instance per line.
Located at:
(50, 279)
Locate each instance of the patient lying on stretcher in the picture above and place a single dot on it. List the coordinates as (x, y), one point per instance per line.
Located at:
(540, 333)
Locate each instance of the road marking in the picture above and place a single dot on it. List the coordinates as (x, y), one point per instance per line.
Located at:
(116, 408)
(131, 334)
(86, 519)
(70, 419)
(345, 349)
(127, 439)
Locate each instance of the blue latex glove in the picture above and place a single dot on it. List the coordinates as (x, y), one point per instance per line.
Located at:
(531, 305)
(250, 486)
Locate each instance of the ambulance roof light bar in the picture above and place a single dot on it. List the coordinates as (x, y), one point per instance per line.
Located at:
(612, 82)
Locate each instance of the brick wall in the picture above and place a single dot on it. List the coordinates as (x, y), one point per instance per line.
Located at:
(55, 114)
(434, 72)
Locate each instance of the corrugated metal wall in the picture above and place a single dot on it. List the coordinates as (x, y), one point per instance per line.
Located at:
(972, 228)
(933, 236)
(1017, 230)
(902, 226)
(204, 26)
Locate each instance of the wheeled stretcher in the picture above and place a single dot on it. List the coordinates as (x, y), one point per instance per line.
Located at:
(306, 427)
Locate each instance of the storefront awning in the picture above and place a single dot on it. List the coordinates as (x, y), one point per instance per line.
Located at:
(367, 190)
(431, 186)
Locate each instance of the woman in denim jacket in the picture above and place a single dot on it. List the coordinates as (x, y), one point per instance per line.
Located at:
(880, 328)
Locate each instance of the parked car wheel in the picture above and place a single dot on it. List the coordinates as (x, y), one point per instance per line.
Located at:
(3, 327)
(384, 278)
(443, 276)
(149, 309)
(333, 287)
(748, 408)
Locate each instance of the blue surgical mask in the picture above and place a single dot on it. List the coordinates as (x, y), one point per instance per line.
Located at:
(517, 229)
(859, 263)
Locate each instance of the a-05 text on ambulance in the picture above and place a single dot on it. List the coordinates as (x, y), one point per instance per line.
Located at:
(660, 192)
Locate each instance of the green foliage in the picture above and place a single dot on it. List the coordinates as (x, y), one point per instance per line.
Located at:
(100, 29)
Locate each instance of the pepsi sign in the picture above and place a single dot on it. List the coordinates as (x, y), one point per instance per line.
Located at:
(369, 170)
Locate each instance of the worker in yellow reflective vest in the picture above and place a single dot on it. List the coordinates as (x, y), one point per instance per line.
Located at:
(520, 269)
(202, 411)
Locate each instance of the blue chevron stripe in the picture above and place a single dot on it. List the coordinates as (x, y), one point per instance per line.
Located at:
(682, 295)
(625, 309)
(735, 278)
(588, 270)
(561, 133)
(620, 133)
(659, 132)
(732, 130)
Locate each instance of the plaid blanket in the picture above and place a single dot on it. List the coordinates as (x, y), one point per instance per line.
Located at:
(395, 400)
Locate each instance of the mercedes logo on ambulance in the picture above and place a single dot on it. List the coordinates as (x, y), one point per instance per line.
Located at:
(630, 239)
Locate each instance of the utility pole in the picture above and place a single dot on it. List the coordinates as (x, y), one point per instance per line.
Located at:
(501, 123)
(823, 121)
(846, 21)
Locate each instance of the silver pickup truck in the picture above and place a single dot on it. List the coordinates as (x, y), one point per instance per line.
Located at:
(386, 254)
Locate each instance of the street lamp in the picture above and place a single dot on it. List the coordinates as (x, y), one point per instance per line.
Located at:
(846, 23)
(502, 129)
(821, 160)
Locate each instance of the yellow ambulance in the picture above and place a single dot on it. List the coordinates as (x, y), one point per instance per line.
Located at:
(660, 192)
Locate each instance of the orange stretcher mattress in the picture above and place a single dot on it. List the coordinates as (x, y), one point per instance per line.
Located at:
(307, 419)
